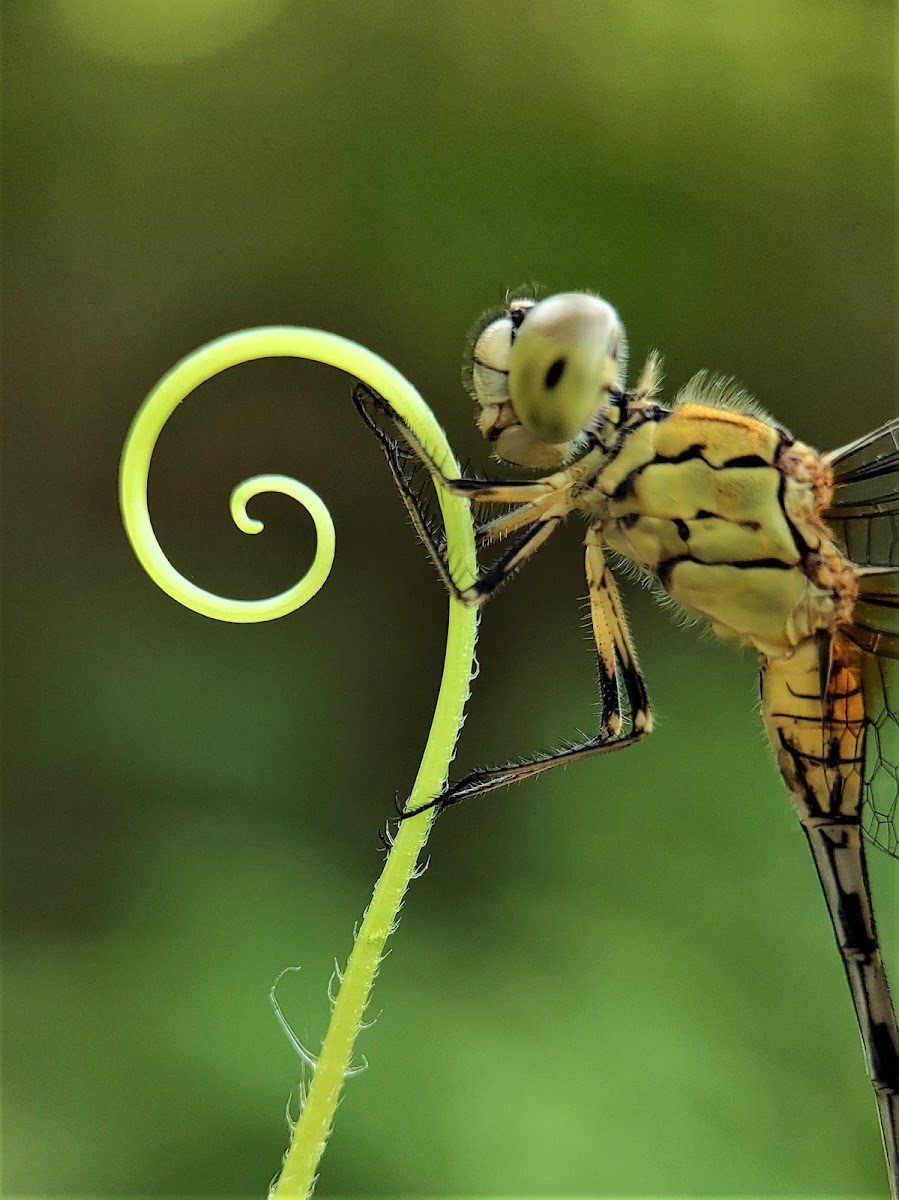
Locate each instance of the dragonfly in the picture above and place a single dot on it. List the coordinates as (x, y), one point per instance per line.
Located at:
(777, 547)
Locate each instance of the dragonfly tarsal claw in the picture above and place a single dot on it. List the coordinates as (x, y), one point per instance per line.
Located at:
(365, 397)
(385, 837)
(437, 803)
(472, 597)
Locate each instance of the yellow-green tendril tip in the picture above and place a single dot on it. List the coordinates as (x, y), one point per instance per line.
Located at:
(271, 342)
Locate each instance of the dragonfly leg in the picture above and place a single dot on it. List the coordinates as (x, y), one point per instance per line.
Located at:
(540, 515)
(613, 642)
(487, 491)
(397, 460)
(615, 657)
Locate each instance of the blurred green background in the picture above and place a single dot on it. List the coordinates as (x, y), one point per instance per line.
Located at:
(619, 979)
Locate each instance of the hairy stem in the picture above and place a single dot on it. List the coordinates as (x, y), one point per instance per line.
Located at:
(298, 1174)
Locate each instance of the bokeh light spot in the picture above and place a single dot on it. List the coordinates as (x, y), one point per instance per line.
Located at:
(160, 31)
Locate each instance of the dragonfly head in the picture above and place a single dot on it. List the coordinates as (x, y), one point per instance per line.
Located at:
(543, 373)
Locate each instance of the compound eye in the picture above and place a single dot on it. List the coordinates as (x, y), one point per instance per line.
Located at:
(490, 362)
(562, 364)
(490, 342)
(487, 374)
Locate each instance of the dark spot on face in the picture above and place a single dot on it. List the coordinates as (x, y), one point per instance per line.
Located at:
(613, 348)
(516, 316)
(554, 374)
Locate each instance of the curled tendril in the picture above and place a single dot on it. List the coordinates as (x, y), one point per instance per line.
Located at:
(210, 360)
(332, 1066)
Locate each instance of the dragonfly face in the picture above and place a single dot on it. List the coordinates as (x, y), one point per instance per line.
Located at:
(543, 373)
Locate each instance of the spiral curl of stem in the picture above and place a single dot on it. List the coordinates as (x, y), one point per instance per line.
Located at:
(270, 342)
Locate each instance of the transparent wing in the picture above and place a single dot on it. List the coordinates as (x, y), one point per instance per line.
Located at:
(880, 797)
(875, 628)
(864, 512)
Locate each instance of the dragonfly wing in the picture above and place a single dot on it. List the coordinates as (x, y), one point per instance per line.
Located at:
(864, 511)
(864, 515)
(880, 789)
(875, 628)
(875, 617)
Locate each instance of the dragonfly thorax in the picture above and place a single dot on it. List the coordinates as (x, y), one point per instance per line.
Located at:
(724, 509)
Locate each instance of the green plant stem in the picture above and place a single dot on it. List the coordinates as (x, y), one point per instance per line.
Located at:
(307, 1145)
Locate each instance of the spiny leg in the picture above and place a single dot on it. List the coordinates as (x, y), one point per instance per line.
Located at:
(614, 653)
(614, 649)
(510, 561)
(396, 460)
(486, 491)
(547, 501)
(500, 527)
(536, 514)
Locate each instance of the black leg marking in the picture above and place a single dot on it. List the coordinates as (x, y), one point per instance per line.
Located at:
(511, 560)
(614, 654)
(486, 490)
(478, 783)
(398, 459)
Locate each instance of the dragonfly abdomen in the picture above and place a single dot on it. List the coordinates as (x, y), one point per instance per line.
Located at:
(814, 712)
